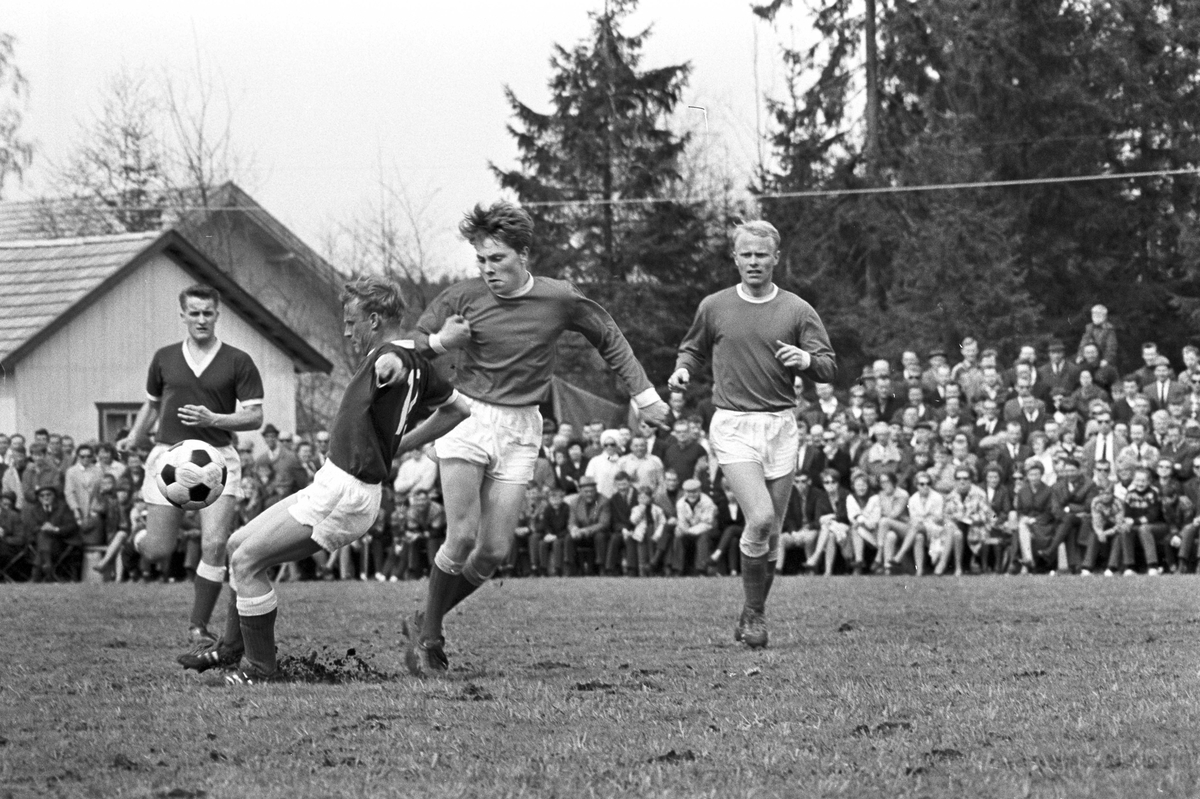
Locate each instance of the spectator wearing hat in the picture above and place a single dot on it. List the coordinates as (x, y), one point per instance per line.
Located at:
(1101, 334)
(288, 474)
(1058, 372)
(591, 520)
(605, 466)
(53, 524)
(695, 523)
(1163, 390)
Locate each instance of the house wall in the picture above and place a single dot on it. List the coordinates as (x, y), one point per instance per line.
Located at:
(101, 356)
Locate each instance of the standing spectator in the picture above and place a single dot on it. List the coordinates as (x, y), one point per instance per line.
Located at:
(106, 459)
(570, 467)
(1103, 374)
(603, 468)
(321, 439)
(40, 471)
(81, 481)
(1101, 334)
(425, 529)
(643, 467)
(418, 471)
(683, 450)
(289, 475)
(1058, 373)
(11, 480)
(307, 455)
(1163, 391)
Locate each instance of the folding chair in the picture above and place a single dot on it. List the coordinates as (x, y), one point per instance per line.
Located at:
(18, 567)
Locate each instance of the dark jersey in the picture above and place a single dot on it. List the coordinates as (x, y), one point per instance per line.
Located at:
(227, 376)
(372, 419)
(510, 360)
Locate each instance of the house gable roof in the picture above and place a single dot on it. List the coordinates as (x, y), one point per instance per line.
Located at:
(49, 282)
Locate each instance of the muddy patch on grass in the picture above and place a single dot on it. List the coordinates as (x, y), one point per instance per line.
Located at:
(327, 667)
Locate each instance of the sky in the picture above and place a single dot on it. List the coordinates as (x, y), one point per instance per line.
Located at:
(324, 99)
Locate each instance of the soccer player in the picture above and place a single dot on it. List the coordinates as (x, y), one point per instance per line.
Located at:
(386, 410)
(199, 389)
(758, 338)
(505, 325)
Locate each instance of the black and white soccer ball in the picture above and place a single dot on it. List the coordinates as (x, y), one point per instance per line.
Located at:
(192, 475)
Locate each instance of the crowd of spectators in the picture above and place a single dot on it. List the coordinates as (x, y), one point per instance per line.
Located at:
(1062, 464)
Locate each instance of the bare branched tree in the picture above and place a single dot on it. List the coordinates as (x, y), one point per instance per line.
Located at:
(16, 152)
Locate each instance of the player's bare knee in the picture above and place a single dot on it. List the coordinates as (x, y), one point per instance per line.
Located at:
(155, 547)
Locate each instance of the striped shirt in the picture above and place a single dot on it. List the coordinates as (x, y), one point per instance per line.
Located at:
(738, 333)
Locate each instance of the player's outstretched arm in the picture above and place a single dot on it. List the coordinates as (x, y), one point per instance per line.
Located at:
(139, 436)
(440, 422)
(247, 417)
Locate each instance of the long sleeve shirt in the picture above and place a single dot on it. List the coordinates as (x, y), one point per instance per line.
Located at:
(739, 334)
(696, 519)
(510, 358)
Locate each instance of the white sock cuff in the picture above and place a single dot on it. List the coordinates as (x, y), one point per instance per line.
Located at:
(214, 574)
(753, 549)
(257, 605)
(473, 576)
(442, 561)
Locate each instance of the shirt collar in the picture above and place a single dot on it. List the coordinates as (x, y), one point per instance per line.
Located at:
(757, 300)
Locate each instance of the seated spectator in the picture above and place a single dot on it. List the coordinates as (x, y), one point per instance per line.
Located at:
(112, 513)
(424, 531)
(1147, 526)
(926, 528)
(11, 479)
(1034, 505)
(863, 513)
(1001, 531)
(525, 553)
(695, 521)
(54, 526)
(1039, 445)
(832, 522)
(554, 528)
(649, 523)
(1139, 453)
(882, 456)
(13, 538)
(1108, 524)
(1072, 507)
(967, 507)
(799, 530)
(590, 524)
(667, 497)
(726, 558)
(622, 549)
(892, 527)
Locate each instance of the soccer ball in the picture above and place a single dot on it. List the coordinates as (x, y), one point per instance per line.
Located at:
(191, 475)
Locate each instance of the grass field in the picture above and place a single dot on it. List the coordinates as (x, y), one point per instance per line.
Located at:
(980, 687)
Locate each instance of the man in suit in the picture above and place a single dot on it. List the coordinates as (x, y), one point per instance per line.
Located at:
(1144, 374)
(1179, 451)
(1013, 453)
(885, 398)
(826, 408)
(1072, 496)
(989, 423)
(1104, 446)
(1163, 391)
(1100, 334)
(1103, 374)
(1122, 406)
(1139, 452)
(810, 459)
(1016, 407)
(1033, 417)
(1058, 372)
(916, 401)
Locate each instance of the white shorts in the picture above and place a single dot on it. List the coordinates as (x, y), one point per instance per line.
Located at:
(233, 478)
(768, 438)
(338, 506)
(504, 439)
